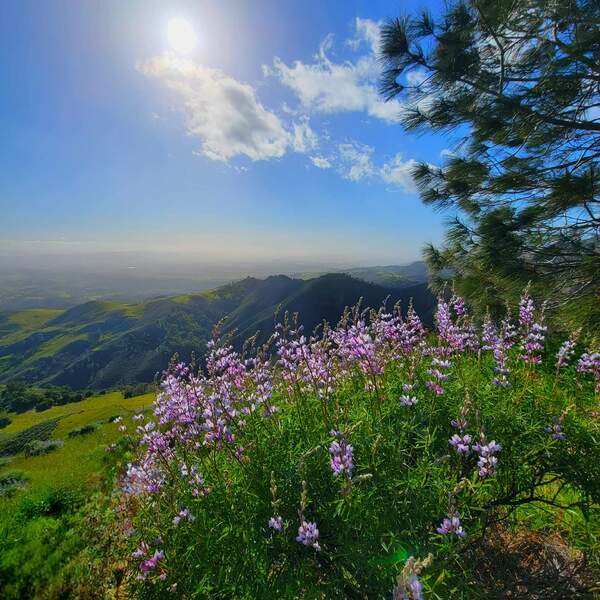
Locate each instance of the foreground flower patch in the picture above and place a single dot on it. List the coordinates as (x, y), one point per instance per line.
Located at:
(366, 461)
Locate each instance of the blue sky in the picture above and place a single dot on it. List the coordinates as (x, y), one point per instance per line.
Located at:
(268, 139)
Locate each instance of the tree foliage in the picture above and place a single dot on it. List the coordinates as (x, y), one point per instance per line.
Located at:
(518, 81)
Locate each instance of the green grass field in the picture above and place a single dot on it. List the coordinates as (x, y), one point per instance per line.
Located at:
(80, 459)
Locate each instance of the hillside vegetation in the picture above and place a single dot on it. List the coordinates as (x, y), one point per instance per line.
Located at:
(41, 495)
(376, 460)
(102, 345)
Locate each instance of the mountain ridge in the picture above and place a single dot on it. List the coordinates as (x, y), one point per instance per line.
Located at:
(105, 344)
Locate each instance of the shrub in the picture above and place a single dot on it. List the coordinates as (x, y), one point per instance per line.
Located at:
(4, 422)
(39, 538)
(15, 443)
(83, 430)
(49, 502)
(38, 447)
(369, 460)
(10, 482)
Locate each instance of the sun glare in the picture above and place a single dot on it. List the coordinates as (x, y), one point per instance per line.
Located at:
(181, 36)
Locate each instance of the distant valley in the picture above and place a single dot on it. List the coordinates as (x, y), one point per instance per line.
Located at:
(104, 344)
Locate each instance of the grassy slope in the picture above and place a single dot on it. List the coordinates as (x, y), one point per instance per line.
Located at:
(88, 345)
(79, 460)
(18, 325)
(40, 524)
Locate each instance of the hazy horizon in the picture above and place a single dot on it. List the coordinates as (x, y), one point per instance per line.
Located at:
(62, 281)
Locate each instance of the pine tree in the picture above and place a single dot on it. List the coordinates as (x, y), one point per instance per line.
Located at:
(518, 82)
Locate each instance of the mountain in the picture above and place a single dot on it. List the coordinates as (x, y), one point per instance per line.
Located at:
(394, 276)
(102, 344)
(390, 276)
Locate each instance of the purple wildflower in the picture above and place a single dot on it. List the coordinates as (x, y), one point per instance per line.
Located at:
(408, 586)
(461, 443)
(501, 370)
(406, 400)
(590, 363)
(533, 332)
(555, 431)
(415, 588)
(342, 456)
(437, 374)
(487, 461)
(566, 351)
(460, 423)
(451, 526)
(276, 523)
(489, 335)
(183, 515)
(308, 534)
(150, 563)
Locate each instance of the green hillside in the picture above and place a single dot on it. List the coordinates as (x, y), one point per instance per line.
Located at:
(102, 345)
(79, 459)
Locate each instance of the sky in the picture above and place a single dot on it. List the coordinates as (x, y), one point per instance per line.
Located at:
(220, 129)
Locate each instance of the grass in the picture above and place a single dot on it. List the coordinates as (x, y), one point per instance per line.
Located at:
(19, 325)
(129, 310)
(80, 458)
(34, 318)
(42, 531)
(56, 344)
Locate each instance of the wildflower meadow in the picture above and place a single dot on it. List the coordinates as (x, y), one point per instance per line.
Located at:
(376, 459)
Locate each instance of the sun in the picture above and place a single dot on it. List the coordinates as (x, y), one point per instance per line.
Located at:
(181, 35)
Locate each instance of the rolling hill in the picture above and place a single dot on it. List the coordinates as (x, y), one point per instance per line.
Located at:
(390, 276)
(102, 345)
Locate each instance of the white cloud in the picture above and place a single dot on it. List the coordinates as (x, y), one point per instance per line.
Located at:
(225, 114)
(320, 162)
(356, 161)
(398, 172)
(304, 138)
(367, 31)
(324, 86)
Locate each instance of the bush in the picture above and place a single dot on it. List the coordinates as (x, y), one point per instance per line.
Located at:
(49, 502)
(19, 397)
(10, 482)
(38, 447)
(4, 422)
(131, 391)
(15, 443)
(83, 430)
(38, 539)
(375, 458)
